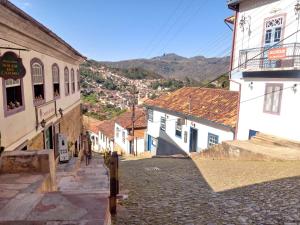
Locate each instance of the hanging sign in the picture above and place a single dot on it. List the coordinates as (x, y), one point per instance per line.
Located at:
(277, 53)
(11, 66)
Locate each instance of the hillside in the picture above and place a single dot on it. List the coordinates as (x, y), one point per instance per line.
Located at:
(173, 66)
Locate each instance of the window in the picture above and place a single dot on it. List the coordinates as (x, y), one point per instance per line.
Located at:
(277, 37)
(55, 77)
(73, 80)
(150, 115)
(123, 136)
(117, 132)
(67, 81)
(268, 36)
(273, 95)
(78, 80)
(212, 140)
(37, 73)
(13, 96)
(185, 136)
(178, 131)
(163, 123)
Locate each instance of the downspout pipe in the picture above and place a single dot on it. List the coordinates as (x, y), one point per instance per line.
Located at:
(238, 108)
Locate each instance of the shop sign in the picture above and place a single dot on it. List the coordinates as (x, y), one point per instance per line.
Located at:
(11, 66)
(46, 111)
(277, 53)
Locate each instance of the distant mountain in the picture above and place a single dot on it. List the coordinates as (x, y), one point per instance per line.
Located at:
(174, 66)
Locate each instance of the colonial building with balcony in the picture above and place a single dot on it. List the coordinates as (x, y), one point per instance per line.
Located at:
(39, 84)
(265, 67)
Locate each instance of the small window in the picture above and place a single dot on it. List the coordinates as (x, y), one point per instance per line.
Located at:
(78, 80)
(73, 81)
(163, 123)
(150, 115)
(67, 81)
(13, 96)
(273, 98)
(123, 136)
(277, 37)
(56, 86)
(178, 131)
(117, 132)
(212, 140)
(185, 136)
(268, 36)
(37, 73)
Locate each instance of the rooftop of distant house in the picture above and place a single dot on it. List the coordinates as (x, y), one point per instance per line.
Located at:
(140, 120)
(107, 127)
(91, 124)
(216, 105)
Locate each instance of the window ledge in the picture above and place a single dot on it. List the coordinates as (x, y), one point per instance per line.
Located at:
(39, 102)
(11, 112)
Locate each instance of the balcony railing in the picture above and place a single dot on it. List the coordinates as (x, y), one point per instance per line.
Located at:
(283, 56)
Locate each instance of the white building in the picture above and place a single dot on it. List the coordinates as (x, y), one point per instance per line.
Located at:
(43, 98)
(123, 133)
(190, 120)
(106, 136)
(266, 67)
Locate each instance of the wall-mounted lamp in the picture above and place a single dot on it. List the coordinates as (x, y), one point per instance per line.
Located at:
(251, 85)
(294, 88)
(61, 112)
(43, 123)
(297, 9)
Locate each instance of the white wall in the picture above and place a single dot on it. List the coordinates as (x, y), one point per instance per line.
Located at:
(19, 127)
(258, 11)
(203, 130)
(105, 143)
(119, 140)
(252, 116)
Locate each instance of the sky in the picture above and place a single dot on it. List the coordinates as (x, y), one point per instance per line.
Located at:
(113, 30)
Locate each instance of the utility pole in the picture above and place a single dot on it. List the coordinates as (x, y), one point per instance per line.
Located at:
(133, 119)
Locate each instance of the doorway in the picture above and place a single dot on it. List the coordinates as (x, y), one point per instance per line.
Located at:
(193, 140)
(49, 138)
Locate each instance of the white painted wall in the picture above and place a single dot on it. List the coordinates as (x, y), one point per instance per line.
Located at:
(119, 140)
(203, 130)
(17, 128)
(105, 144)
(251, 115)
(256, 12)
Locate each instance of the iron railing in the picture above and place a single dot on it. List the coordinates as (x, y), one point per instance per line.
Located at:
(265, 58)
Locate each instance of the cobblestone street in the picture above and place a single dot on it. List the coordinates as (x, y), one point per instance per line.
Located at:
(180, 191)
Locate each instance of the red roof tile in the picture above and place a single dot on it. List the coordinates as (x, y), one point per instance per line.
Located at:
(91, 124)
(107, 128)
(124, 120)
(217, 105)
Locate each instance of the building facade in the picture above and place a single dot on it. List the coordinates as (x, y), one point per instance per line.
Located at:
(46, 100)
(125, 142)
(190, 120)
(266, 67)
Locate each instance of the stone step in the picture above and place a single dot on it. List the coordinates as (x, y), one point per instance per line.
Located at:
(268, 139)
(248, 150)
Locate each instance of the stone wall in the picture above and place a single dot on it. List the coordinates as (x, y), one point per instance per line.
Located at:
(71, 125)
(36, 143)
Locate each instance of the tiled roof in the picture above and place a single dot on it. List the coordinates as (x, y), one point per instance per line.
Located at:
(124, 120)
(91, 124)
(107, 128)
(216, 105)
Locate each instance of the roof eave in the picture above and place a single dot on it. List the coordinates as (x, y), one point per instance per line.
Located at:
(193, 118)
(25, 16)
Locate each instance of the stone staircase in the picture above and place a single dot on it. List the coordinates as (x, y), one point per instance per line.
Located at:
(262, 147)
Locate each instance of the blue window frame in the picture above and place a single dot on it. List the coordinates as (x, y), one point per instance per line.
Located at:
(212, 140)
(178, 127)
(163, 123)
(150, 115)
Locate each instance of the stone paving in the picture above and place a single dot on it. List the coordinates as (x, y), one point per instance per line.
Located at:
(81, 199)
(181, 191)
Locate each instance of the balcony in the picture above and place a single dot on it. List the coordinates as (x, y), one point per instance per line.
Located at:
(280, 57)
